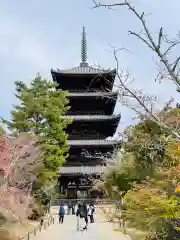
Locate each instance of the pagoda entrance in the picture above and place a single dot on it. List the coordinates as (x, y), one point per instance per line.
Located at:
(74, 187)
(82, 193)
(71, 192)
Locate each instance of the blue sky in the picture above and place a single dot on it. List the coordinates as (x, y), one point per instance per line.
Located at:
(38, 35)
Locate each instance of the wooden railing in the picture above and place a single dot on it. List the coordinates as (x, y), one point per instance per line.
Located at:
(57, 202)
(92, 142)
(42, 225)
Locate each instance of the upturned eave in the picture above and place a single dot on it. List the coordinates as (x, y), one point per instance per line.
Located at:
(84, 70)
(83, 170)
(93, 117)
(92, 94)
(98, 142)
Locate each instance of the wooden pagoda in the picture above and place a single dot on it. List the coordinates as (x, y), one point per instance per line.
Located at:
(92, 105)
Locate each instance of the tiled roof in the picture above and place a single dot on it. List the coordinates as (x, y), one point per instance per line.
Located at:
(95, 94)
(83, 170)
(92, 142)
(84, 70)
(92, 117)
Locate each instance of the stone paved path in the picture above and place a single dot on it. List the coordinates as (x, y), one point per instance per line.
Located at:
(67, 231)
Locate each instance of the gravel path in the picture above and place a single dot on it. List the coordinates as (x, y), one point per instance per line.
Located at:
(67, 231)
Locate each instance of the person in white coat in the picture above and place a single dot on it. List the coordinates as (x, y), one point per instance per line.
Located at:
(91, 211)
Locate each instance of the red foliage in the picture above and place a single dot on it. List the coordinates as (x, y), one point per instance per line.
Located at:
(18, 160)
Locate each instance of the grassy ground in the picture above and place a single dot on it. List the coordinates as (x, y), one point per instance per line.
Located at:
(132, 232)
(20, 229)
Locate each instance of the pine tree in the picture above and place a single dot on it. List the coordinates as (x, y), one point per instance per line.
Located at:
(39, 111)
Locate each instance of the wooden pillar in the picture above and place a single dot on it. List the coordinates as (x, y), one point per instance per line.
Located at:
(61, 189)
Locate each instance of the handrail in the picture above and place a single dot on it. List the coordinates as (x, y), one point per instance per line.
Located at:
(43, 225)
(56, 202)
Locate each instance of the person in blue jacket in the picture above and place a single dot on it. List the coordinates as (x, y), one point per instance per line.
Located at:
(61, 213)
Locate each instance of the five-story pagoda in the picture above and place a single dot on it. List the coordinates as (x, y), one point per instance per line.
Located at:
(92, 105)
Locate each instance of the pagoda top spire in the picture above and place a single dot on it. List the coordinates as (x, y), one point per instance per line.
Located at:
(83, 49)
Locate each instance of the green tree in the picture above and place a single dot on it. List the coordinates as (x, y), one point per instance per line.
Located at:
(146, 177)
(40, 112)
(149, 208)
(144, 151)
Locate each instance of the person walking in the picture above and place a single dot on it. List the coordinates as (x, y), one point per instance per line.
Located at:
(79, 216)
(85, 209)
(61, 213)
(82, 218)
(73, 209)
(69, 207)
(91, 211)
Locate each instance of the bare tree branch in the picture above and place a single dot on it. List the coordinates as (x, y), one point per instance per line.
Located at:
(170, 70)
(150, 41)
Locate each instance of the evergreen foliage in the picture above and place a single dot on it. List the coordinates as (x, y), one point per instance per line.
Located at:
(39, 112)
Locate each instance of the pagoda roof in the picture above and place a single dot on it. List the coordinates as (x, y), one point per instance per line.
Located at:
(84, 76)
(83, 170)
(91, 103)
(84, 70)
(93, 117)
(92, 94)
(99, 142)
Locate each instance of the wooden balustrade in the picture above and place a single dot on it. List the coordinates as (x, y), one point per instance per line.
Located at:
(56, 202)
(42, 225)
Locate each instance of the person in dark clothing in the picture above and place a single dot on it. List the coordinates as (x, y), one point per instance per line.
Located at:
(81, 214)
(69, 207)
(61, 213)
(73, 209)
(85, 215)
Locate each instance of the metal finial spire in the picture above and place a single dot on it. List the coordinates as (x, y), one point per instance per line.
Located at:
(83, 49)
